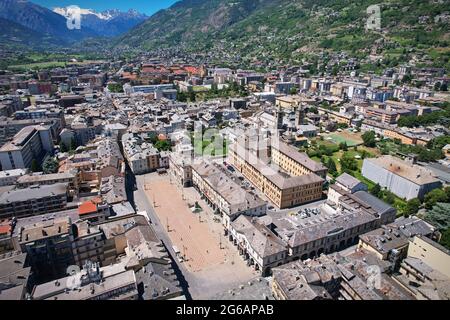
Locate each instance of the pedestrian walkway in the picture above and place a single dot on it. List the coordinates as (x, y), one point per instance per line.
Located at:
(196, 242)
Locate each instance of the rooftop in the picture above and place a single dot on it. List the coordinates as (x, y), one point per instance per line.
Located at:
(299, 157)
(238, 198)
(260, 238)
(411, 172)
(347, 181)
(34, 192)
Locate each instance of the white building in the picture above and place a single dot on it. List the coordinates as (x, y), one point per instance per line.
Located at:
(9, 177)
(404, 179)
(30, 143)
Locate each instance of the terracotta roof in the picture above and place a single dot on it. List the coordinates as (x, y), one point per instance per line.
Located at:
(87, 207)
(192, 70)
(5, 229)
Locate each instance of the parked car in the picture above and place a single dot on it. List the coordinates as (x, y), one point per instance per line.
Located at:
(230, 168)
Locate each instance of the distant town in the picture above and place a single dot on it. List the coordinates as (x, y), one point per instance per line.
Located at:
(150, 179)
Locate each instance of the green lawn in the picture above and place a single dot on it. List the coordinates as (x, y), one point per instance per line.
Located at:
(337, 139)
(37, 65)
(47, 64)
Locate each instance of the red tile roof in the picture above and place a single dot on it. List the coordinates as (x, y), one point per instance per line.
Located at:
(87, 207)
(192, 70)
(5, 229)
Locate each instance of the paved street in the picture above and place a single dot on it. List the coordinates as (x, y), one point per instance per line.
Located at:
(209, 274)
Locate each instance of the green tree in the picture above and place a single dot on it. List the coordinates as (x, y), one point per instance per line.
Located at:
(192, 96)
(445, 238)
(331, 165)
(438, 216)
(50, 165)
(363, 154)
(35, 166)
(163, 145)
(62, 147)
(435, 196)
(115, 87)
(388, 197)
(214, 89)
(369, 139)
(412, 207)
(181, 96)
(348, 163)
(73, 144)
(376, 190)
(343, 146)
(406, 78)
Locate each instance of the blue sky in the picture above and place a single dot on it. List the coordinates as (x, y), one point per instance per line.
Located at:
(145, 6)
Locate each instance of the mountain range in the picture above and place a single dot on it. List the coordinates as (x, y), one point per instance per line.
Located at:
(107, 23)
(283, 30)
(253, 31)
(27, 24)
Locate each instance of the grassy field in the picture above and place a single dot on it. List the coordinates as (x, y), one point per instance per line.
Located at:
(351, 138)
(338, 138)
(37, 65)
(47, 65)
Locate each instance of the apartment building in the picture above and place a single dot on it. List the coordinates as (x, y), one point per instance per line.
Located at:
(180, 169)
(277, 238)
(336, 277)
(30, 143)
(257, 244)
(142, 156)
(344, 118)
(10, 127)
(224, 193)
(391, 241)
(71, 178)
(425, 272)
(396, 134)
(47, 241)
(107, 283)
(385, 116)
(9, 177)
(34, 200)
(15, 275)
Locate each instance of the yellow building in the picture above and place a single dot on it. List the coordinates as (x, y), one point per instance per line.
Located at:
(283, 190)
(425, 272)
(394, 134)
(431, 253)
(292, 101)
(294, 162)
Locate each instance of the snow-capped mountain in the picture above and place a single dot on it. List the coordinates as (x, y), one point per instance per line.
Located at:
(108, 22)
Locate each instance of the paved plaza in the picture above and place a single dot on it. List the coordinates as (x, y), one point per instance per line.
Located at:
(212, 263)
(197, 245)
